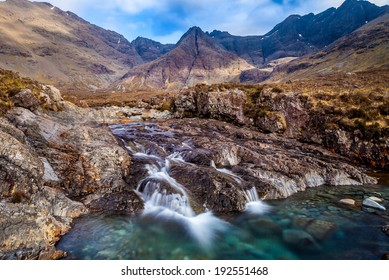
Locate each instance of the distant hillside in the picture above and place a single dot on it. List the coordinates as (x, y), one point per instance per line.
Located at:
(365, 49)
(300, 35)
(195, 59)
(45, 43)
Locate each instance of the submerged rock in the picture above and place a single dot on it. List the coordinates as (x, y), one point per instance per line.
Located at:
(264, 227)
(373, 204)
(319, 229)
(300, 239)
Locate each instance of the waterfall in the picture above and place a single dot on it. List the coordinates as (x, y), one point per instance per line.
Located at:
(155, 195)
(254, 205)
(167, 200)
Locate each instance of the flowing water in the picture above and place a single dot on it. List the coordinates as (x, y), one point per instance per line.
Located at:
(307, 225)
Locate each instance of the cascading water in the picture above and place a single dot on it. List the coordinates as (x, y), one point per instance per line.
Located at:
(166, 199)
(154, 195)
(255, 206)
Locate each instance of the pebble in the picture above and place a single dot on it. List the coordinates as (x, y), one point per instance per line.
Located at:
(371, 203)
(376, 199)
(347, 201)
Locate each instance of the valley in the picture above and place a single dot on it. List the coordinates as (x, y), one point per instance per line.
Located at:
(218, 146)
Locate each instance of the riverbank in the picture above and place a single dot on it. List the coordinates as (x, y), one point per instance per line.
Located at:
(60, 161)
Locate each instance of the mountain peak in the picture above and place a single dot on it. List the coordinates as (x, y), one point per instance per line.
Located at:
(194, 31)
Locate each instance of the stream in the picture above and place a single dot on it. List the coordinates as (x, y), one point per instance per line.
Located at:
(180, 221)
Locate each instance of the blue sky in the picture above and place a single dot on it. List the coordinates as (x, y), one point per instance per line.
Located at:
(166, 20)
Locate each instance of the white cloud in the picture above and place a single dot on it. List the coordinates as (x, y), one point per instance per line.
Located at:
(239, 17)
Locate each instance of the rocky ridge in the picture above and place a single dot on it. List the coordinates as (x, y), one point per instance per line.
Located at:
(301, 35)
(290, 114)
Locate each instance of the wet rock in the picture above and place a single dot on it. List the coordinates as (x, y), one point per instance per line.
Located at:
(347, 201)
(319, 229)
(300, 239)
(242, 158)
(373, 204)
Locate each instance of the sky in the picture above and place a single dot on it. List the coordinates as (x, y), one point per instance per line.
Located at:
(166, 21)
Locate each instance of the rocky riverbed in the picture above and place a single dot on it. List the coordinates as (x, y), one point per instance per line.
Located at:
(59, 161)
(307, 225)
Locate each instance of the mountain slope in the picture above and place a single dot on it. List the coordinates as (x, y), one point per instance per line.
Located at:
(47, 44)
(300, 35)
(195, 59)
(365, 49)
(297, 36)
(150, 50)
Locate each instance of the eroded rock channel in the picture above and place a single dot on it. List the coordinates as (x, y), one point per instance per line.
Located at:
(219, 162)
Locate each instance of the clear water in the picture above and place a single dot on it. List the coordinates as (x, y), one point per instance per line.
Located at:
(307, 225)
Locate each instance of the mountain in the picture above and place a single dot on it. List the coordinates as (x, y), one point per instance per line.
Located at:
(365, 49)
(300, 35)
(45, 43)
(195, 59)
(247, 47)
(150, 50)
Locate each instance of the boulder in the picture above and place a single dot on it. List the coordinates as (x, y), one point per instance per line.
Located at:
(26, 99)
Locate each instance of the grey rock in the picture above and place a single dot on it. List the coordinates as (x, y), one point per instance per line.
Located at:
(373, 204)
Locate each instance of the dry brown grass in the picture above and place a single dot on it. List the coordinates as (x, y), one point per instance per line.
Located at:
(104, 98)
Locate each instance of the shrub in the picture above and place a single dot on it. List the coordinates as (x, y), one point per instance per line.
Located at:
(384, 109)
(277, 90)
(356, 113)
